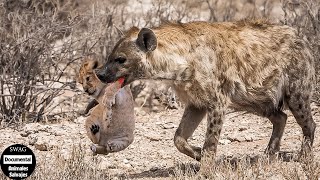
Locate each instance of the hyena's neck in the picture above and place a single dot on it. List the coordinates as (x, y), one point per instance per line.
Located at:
(168, 66)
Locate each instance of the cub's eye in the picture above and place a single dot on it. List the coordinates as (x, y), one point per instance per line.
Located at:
(120, 60)
(88, 78)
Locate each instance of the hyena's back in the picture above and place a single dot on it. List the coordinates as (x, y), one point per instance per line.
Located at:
(259, 65)
(272, 64)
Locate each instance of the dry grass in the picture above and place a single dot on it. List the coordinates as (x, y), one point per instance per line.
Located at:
(75, 166)
(78, 166)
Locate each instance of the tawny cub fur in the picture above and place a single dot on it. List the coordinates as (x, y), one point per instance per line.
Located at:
(250, 66)
(110, 124)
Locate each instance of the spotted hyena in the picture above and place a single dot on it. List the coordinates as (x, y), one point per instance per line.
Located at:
(252, 66)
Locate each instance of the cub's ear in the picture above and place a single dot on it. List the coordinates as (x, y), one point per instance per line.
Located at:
(147, 40)
(96, 64)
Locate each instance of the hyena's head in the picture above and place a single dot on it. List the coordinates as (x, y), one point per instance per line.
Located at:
(128, 58)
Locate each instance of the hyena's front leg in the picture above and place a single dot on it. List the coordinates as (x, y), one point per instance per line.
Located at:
(190, 120)
(215, 119)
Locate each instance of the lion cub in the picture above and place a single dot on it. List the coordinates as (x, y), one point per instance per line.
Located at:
(110, 123)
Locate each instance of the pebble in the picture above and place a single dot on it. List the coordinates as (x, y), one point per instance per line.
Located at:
(126, 161)
(41, 146)
(224, 141)
(168, 125)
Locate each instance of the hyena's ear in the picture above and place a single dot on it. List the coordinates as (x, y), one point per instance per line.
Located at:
(147, 40)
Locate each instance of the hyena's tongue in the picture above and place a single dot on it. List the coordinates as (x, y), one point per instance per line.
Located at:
(121, 80)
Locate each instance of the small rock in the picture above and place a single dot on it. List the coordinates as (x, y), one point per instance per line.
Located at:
(32, 139)
(168, 125)
(41, 147)
(155, 102)
(155, 109)
(25, 133)
(125, 166)
(234, 138)
(166, 157)
(243, 129)
(224, 141)
(153, 169)
(153, 137)
(249, 138)
(126, 161)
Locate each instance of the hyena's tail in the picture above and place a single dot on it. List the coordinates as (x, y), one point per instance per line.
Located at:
(93, 128)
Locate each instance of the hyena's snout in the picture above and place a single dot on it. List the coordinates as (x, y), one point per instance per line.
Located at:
(104, 75)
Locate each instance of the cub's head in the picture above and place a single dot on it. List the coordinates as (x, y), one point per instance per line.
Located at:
(128, 59)
(87, 77)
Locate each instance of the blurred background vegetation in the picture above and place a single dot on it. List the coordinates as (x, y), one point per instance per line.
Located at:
(43, 42)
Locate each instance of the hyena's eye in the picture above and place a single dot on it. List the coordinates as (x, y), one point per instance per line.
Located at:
(120, 60)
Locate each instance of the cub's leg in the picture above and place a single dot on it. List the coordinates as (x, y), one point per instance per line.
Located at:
(89, 107)
(299, 104)
(114, 145)
(191, 118)
(278, 121)
(109, 99)
(93, 128)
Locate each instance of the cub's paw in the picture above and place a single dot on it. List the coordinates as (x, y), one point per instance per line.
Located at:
(113, 147)
(94, 129)
(93, 149)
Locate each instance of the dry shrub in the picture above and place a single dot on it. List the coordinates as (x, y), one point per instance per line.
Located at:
(31, 70)
(42, 44)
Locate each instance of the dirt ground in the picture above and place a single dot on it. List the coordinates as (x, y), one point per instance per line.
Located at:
(152, 154)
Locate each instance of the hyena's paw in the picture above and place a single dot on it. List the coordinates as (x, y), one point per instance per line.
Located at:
(94, 129)
(306, 151)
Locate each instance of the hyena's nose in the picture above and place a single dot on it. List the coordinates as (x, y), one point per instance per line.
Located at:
(101, 73)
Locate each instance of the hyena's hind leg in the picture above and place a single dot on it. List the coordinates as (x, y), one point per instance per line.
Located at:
(299, 104)
(278, 120)
(191, 118)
